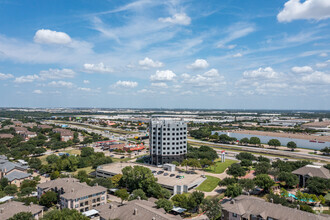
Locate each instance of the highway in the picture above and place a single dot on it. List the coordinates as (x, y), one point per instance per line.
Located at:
(263, 150)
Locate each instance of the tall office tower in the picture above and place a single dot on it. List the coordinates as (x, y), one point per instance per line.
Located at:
(168, 141)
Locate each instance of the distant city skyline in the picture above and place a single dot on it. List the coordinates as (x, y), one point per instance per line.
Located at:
(230, 54)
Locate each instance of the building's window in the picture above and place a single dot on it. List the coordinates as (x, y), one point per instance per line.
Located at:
(94, 200)
(158, 129)
(180, 152)
(168, 129)
(164, 143)
(270, 218)
(158, 133)
(81, 204)
(158, 138)
(177, 139)
(86, 209)
(81, 210)
(158, 142)
(234, 215)
(177, 152)
(180, 128)
(164, 129)
(173, 129)
(184, 128)
(77, 205)
(177, 129)
(86, 203)
(173, 133)
(153, 137)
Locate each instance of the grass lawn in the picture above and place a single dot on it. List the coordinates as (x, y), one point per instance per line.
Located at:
(220, 167)
(209, 184)
(87, 169)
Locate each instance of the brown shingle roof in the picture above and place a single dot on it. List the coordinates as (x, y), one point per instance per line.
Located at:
(144, 210)
(72, 188)
(313, 171)
(250, 205)
(6, 136)
(9, 209)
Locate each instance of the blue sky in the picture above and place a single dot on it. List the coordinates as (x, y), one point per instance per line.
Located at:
(253, 54)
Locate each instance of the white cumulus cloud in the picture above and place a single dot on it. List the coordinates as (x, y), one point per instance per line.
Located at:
(61, 84)
(323, 55)
(98, 68)
(163, 75)
(149, 63)
(308, 9)
(46, 36)
(179, 18)
(126, 84)
(4, 76)
(159, 85)
(198, 64)
(317, 77)
(86, 81)
(37, 91)
(267, 73)
(238, 55)
(26, 79)
(57, 74)
(302, 69)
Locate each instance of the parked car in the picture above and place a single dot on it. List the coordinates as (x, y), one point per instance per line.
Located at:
(172, 175)
(165, 174)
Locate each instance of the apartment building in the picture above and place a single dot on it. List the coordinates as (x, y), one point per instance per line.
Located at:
(15, 173)
(66, 135)
(75, 195)
(168, 141)
(253, 208)
(10, 208)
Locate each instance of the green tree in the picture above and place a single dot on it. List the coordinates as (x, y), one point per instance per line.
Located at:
(255, 140)
(212, 208)
(87, 151)
(3, 182)
(48, 199)
(264, 181)
(246, 184)
(195, 199)
(263, 159)
(138, 193)
(167, 205)
(236, 170)
(185, 163)
(246, 163)
(54, 175)
(194, 163)
(105, 182)
(52, 158)
(318, 185)
(122, 194)
(180, 200)
(244, 155)
(10, 189)
(67, 214)
(274, 143)
(116, 179)
(176, 163)
(233, 190)
(227, 181)
(22, 216)
(82, 176)
(244, 140)
(35, 163)
(27, 191)
(292, 145)
(262, 168)
(290, 179)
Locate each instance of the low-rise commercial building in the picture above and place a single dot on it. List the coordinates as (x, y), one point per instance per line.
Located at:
(75, 195)
(253, 208)
(10, 208)
(176, 182)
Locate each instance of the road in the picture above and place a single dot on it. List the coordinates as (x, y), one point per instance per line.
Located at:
(292, 154)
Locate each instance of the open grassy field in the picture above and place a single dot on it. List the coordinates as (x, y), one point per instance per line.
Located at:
(220, 167)
(209, 184)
